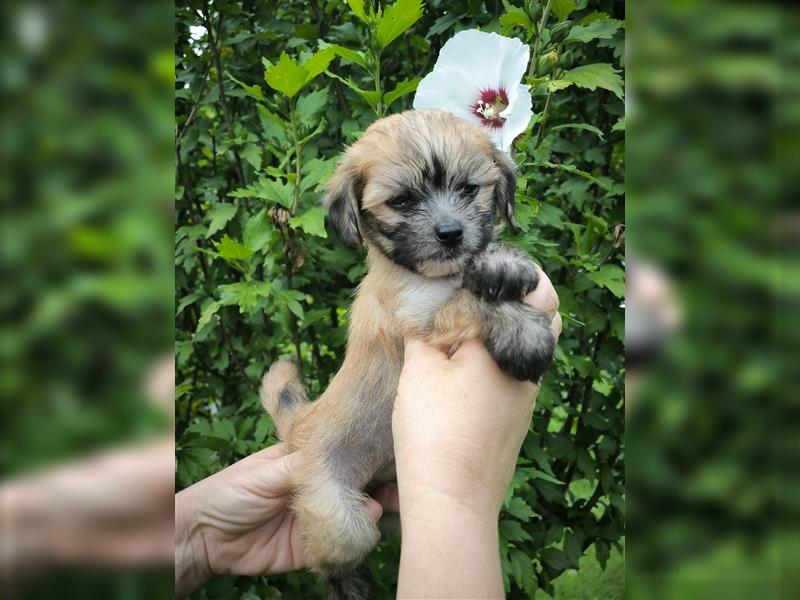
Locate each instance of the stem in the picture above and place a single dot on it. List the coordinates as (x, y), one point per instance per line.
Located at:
(377, 75)
(537, 44)
(222, 99)
(297, 175)
(553, 75)
(289, 250)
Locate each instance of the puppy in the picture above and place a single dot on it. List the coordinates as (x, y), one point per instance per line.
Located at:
(420, 190)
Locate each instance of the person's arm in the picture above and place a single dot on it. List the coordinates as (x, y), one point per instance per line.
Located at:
(458, 426)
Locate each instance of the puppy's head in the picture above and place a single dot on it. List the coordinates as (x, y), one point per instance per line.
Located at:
(422, 187)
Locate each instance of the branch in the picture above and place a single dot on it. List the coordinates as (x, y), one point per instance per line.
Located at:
(222, 99)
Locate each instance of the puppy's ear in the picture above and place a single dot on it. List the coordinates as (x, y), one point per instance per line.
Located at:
(505, 189)
(341, 201)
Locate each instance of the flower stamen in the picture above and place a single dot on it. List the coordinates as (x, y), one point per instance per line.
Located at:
(489, 106)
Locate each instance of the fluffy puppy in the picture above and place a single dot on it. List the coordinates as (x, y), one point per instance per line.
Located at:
(421, 191)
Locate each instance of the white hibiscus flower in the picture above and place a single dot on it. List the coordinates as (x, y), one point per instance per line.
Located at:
(478, 77)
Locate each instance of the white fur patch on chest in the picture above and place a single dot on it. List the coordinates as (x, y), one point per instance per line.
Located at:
(419, 301)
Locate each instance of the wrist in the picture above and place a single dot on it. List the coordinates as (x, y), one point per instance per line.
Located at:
(450, 547)
(455, 478)
(191, 557)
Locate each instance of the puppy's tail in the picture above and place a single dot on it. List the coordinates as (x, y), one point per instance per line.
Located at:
(282, 394)
(355, 584)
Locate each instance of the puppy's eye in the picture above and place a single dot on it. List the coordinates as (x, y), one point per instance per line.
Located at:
(470, 189)
(399, 202)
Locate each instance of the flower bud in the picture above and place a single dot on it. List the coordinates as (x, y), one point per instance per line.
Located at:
(560, 31)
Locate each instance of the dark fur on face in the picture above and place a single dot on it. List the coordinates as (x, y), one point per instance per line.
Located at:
(424, 188)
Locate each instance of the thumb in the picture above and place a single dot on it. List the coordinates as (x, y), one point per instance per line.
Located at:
(417, 349)
(278, 474)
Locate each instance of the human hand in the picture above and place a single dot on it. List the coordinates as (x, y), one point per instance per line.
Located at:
(459, 422)
(239, 521)
(458, 425)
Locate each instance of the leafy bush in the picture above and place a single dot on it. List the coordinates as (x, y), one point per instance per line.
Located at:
(268, 94)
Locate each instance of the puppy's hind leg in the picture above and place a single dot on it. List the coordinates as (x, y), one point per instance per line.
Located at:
(338, 531)
(282, 394)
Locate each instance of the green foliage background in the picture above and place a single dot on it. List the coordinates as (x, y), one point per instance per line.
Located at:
(267, 96)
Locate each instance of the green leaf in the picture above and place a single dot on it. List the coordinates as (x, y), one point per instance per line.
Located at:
(315, 172)
(352, 55)
(370, 97)
(357, 6)
(291, 298)
(584, 126)
(396, 19)
(317, 63)
(513, 531)
(257, 231)
(252, 154)
(275, 191)
(209, 310)
(230, 249)
(554, 85)
(603, 388)
(573, 546)
(576, 171)
(188, 300)
(253, 90)
(601, 29)
(525, 212)
(401, 89)
(602, 551)
(220, 215)
(263, 429)
(597, 75)
(546, 476)
(312, 222)
(310, 105)
(522, 569)
(518, 508)
(224, 429)
(586, 463)
(619, 125)
(562, 8)
(272, 125)
(244, 293)
(515, 17)
(286, 76)
(555, 558)
(610, 277)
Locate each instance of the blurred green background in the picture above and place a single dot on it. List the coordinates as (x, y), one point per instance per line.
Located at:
(712, 433)
(86, 132)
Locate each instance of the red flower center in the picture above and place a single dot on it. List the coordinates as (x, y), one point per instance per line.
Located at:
(489, 106)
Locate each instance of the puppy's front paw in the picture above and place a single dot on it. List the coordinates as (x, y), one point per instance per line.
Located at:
(501, 273)
(519, 338)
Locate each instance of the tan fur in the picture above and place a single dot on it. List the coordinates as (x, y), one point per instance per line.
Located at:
(346, 433)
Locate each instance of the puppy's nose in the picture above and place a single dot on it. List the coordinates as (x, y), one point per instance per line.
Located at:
(448, 234)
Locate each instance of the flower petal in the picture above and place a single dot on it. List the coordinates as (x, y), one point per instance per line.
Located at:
(517, 118)
(448, 89)
(491, 59)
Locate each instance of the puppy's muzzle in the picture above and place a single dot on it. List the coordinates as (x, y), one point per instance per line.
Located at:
(449, 234)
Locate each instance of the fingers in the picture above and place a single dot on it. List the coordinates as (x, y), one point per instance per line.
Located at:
(388, 496)
(417, 349)
(544, 297)
(472, 350)
(374, 509)
(556, 325)
(275, 451)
